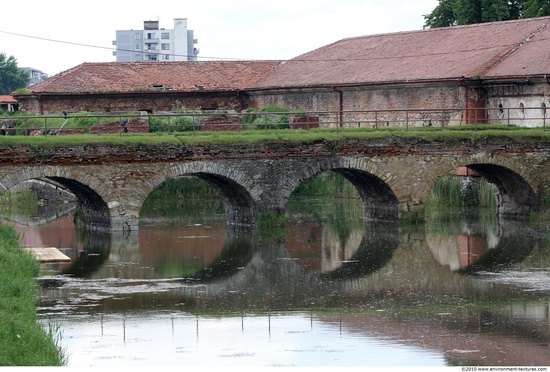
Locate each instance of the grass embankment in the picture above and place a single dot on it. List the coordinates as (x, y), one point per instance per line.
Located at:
(23, 340)
(451, 134)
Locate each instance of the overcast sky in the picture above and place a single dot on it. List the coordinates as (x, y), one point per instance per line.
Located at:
(236, 29)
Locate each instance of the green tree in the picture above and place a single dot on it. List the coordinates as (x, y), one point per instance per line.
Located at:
(442, 16)
(536, 8)
(466, 12)
(11, 77)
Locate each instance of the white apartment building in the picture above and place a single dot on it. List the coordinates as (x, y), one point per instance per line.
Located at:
(35, 76)
(154, 44)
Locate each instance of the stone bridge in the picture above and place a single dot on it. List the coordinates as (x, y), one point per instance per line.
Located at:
(393, 175)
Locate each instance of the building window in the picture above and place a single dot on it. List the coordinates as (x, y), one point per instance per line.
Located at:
(500, 110)
(522, 109)
(137, 36)
(165, 46)
(137, 57)
(138, 47)
(165, 35)
(166, 57)
(151, 36)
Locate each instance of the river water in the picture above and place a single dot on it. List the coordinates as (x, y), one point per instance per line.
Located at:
(329, 289)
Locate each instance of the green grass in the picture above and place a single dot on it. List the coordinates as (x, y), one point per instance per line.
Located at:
(448, 192)
(22, 203)
(447, 135)
(23, 340)
(184, 198)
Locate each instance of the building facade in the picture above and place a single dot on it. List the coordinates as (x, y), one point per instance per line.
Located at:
(156, 44)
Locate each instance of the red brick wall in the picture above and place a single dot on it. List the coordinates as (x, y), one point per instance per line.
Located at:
(325, 103)
(122, 126)
(304, 122)
(151, 102)
(226, 124)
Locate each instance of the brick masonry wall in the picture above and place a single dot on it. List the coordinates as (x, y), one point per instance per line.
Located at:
(152, 102)
(427, 97)
(304, 122)
(378, 148)
(224, 124)
(122, 126)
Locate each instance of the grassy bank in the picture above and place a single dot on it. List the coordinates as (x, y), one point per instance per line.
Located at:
(23, 341)
(445, 135)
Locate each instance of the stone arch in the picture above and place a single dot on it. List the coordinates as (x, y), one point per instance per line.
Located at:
(95, 208)
(516, 198)
(237, 190)
(380, 201)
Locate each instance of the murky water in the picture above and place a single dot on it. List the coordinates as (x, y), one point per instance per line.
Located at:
(329, 290)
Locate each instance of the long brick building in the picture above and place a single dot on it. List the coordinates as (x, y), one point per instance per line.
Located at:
(492, 71)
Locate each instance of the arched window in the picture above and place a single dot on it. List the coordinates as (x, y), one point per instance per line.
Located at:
(522, 109)
(500, 110)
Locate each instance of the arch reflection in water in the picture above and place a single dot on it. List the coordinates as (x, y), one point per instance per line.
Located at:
(97, 246)
(376, 248)
(336, 242)
(470, 243)
(238, 249)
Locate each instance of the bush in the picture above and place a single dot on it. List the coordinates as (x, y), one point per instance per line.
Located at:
(271, 117)
(172, 124)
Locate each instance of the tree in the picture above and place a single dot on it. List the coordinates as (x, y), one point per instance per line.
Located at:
(11, 77)
(466, 12)
(536, 8)
(442, 16)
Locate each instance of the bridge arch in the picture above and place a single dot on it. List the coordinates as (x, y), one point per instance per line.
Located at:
(516, 198)
(82, 185)
(238, 190)
(379, 200)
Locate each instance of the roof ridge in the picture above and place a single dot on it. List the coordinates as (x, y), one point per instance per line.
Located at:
(444, 29)
(499, 57)
(425, 30)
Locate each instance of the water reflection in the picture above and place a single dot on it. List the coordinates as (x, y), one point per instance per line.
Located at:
(453, 292)
(95, 251)
(376, 248)
(469, 244)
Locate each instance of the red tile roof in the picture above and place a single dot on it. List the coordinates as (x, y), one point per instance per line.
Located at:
(7, 99)
(531, 58)
(433, 54)
(488, 50)
(153, 76)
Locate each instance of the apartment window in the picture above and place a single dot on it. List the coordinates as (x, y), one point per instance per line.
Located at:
(138, 47)
(165, 35)
(165, 46)
(137, 36)
(166, 57)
